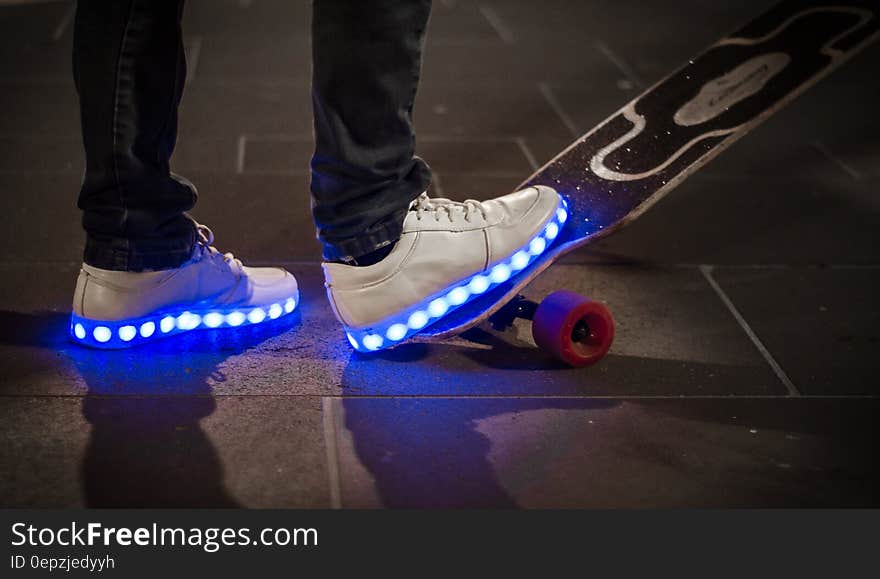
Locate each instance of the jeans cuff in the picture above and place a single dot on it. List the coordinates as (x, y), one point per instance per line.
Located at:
(119, 254)
(378, 237)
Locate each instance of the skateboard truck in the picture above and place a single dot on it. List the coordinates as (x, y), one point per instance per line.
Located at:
(572, 327)
(519, 307)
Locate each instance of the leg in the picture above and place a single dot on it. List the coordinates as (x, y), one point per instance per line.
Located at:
(366, 64)
(396, 260)
(129, 70)
(150, 271)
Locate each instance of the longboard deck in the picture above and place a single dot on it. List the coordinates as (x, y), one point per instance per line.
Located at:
(618, 170)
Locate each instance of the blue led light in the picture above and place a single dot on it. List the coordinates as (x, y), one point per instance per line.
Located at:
(124, 333)
(418, 320)
(457, 296)
(188, 321)
(519, 260)
(552, 231)
(256, 316)
(396, 332)
(372, 341)
(127, 333)
(500, 273)
(213, 320)
(235, 319)
(479, 284)
(167, 324)
(536, 247)
(438, 307)
(352, 341)
(561, 215)
(148, 329)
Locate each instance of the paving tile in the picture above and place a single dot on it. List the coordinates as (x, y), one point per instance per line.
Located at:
(44, 440)
(268, 110)
(572, 19)
(449, 22)
(238, 209)
(42, 221)
(47, 55)
(208, 110)
(820, 324)
(40, 60)
(454, 22)
(254, 56)
(452, 111)
(857, 154)
(194, 451)
(24, 22)
(274, 155)
(230, 109)
(457, 58)
(39, 108)
(564, 453)
(505, 65)
(272, 449)
(477, 186)
(282, 112)
(474, 155)
(644, 42)
(63, 154)
(590, 101)
(41, 154)
(462, 22)
(754, 220)
(235, 18)
(220, 112)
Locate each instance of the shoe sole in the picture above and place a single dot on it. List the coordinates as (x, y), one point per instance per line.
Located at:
(414, 319)
(162, 324)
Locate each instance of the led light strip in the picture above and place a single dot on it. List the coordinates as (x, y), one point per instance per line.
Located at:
(128, 333)
(403, 325)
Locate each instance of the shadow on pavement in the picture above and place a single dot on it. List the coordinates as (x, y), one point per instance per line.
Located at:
(428, 452)
(146, 448)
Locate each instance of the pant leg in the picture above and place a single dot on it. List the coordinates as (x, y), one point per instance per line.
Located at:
(366, 59)
(129, 69)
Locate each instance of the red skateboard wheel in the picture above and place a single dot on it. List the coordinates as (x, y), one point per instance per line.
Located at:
(574, 328)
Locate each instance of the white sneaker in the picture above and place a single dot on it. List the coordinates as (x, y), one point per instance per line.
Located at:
(118, 309)
(449, 253)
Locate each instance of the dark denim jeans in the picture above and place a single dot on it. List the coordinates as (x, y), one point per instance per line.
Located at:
(129, 69)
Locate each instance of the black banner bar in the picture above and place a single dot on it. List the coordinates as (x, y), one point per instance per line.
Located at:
(142, 543)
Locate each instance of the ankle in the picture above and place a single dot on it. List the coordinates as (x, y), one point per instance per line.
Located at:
(371, 258)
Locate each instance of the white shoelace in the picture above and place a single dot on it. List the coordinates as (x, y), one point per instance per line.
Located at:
(437, 206)
(204, 244)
